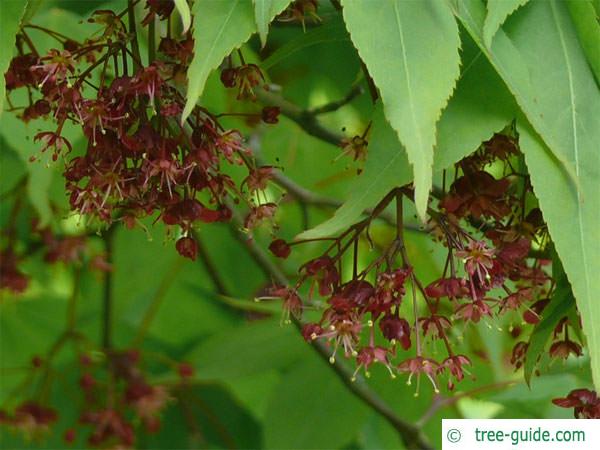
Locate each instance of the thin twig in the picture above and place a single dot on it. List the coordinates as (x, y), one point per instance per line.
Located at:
(304, 118)
(309, 197)
(440, 402)
(302, 194)
(335, 105)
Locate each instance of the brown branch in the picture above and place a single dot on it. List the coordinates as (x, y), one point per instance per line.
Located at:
(309, 197)
(440, 401)
(307, 120)
(302, 194)
(304, 118)
(337, 104)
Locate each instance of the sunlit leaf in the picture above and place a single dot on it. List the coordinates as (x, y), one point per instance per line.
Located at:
(533, 59)
(538, 54)
(411, 51)
(573, 226)
(474, 113)
(264, 12)
(560, 305)
(588, 29)
(184, 12)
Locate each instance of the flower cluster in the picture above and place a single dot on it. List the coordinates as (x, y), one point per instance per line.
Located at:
(12, 277)
(30, 418)
(139, 159)
(130, 392)
(384, 314)
(300, 11)
(117, 398)
(67, 249)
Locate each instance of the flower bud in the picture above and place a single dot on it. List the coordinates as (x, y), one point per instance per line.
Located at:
(270, 114)
(229, 77)
(280, 248)
(187, 247)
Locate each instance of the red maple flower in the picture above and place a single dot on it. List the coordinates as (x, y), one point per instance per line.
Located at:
(396, 329)
(455, 365)
(585, 402)
(420, 365)
(369, 355)
(280, 248)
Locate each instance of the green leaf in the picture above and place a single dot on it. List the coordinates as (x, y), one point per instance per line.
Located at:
(474, 113)
(247, 350)
(585, 20)
(561, 305)
(264, 12)
(411, 51)
(379, 434)
(572, 219)
(386, 167)
(534, 56)
(16, 135)
(184, 12)
(249, 305)
(295, 419)
(331, 31)
(545, 42)
(40, 180)
(542, 63)
(184, 307)
(497, 12)
(596, 5)
(253, 391)
(31, 9)
(28, 326)
(219, 28)
(10, 20)
(218, 422)
(13, 168)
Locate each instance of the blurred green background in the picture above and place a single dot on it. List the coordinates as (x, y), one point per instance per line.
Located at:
(257, 384)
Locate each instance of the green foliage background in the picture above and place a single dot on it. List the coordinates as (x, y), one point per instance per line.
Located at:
(257, 384)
